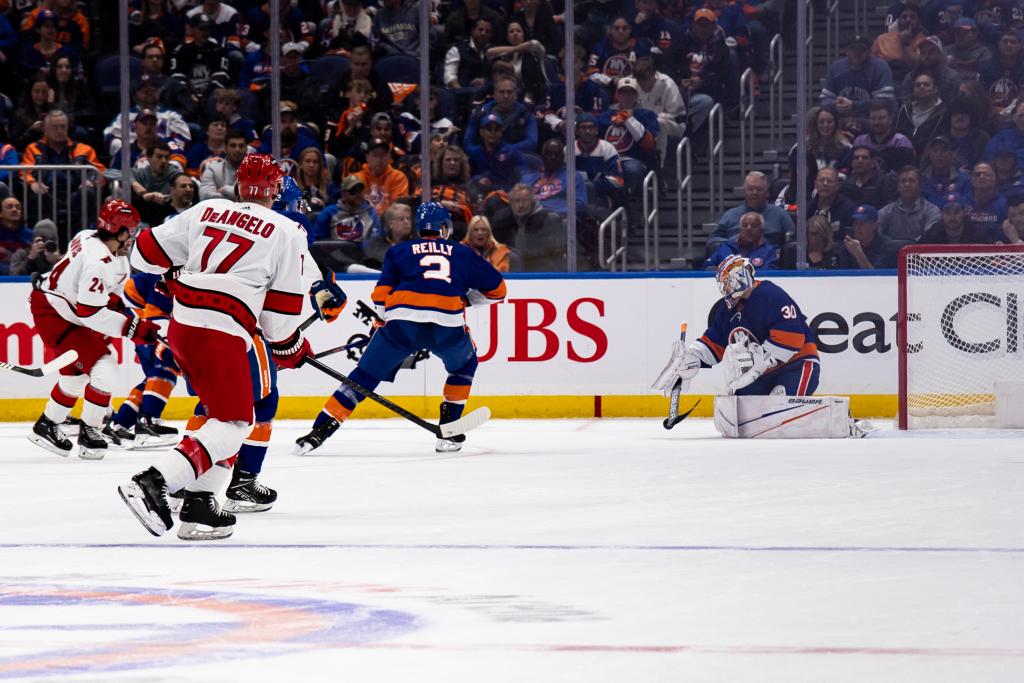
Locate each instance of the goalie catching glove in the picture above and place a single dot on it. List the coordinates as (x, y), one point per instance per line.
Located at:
(745, 362)
(328, 299)
(683, 365)
(292, 352)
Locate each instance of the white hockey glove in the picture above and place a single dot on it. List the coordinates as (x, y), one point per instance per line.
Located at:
(744, 363)
(683, 365)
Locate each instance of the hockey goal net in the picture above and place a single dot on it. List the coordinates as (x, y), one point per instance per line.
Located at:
(958, 332)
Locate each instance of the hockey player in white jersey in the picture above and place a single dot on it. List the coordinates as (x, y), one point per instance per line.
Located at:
(242, 266)
(77, 306)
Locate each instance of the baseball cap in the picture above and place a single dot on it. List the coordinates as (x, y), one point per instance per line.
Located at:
(628, 82)
(380, 116)
(377, 142)
(951, 199)
(704, 14)
(932, 40)
(148, 80)
(965, 22)
(865, 212)
(292, 46)
(46, 15)
(1004, 147)
(287, 106)
(146, 114)
(585, 117)
(941, 140)
(858, 41)
(351, 182)
(491, 120)
(200, 19)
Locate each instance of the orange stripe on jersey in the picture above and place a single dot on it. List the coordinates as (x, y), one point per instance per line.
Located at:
(131, 292)
(195, 422)
(808, 350)
(134, 398)
(716, 349)
(336, 410)
(261, 432)
(159, 386)
(381, 293)
(264, 364)
(497, 293)
(790, 340)
(151, 311)
(453, 304)
(456, 392)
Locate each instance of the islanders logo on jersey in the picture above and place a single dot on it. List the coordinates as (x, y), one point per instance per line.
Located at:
(620, 138)
(348, 227)
(619, 65)
(1003, 91)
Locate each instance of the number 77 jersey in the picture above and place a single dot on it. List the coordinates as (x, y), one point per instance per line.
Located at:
(430, 281)
(242, 266)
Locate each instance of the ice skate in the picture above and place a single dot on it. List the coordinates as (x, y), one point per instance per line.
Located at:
(71, 425)
(146, 496)
(175, 499)
(310, 442)
(245, 494)
(861, 428)
(47, 434)
(149, 434)
(454, 444)
(117, 435)
(91, 444)
(200, 509)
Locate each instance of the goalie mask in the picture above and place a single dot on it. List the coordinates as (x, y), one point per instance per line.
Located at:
(735, 276)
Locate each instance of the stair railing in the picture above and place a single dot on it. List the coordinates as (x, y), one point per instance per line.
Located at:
(651, 219)
(716, 160)
(775, 92)
(685, 184)
(809, 43)
(617, 222)
(832, 32)
(748, 116)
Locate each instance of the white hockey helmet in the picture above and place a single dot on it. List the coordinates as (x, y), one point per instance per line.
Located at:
(735, 276)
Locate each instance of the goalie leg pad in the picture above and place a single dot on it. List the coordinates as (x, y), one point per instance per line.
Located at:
(782, 417)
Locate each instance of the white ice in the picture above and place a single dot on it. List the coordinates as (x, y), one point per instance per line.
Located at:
(563, 550)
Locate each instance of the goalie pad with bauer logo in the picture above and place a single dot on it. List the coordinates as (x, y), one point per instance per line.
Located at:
(783, 417)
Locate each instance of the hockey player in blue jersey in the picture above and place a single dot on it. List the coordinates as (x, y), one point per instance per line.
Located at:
(758, 331)
(421, 296)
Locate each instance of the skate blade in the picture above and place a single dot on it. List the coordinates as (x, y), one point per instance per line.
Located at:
(43, 443)
(447, 446)
(303, 448)
(245, 506)
(190, 531)
(150, 443)
(91, 453)
(134, 498)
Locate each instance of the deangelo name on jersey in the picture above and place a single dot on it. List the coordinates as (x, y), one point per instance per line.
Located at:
(239, 219)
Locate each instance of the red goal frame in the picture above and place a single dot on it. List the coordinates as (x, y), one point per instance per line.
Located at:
(901, 317)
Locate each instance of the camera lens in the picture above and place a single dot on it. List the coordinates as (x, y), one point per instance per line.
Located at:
(50, 246)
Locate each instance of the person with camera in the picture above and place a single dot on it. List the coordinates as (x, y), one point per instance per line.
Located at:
(14, 234)
(40, 255)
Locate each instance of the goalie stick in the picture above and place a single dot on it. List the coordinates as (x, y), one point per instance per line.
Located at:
(445, 431)
(59, 363)
(674, 417)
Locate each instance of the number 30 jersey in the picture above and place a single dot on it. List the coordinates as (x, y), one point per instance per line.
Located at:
(242, 266)
(768, 316)
(430, 281)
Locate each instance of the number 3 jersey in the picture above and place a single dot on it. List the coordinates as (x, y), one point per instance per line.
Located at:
(85, 286)
(768, 316)
(430, 281)
(242, 266)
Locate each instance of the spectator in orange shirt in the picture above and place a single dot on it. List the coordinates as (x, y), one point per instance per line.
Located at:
(901, 48)
(384, 184)
(480, 240)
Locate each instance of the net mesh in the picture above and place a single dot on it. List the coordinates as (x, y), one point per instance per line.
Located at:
(963, 335)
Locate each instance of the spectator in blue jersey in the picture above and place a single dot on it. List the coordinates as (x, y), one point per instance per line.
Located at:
(893, 149)
(923, 117)
(342, 229)
(911, 214)
(983, 204)
(1012, 137)
(699, 61)
(294, 137)
(954, 227)
(777, 223)
(749, 243)
(40, 54)
(941, 177)
(598, 161)
(227, 102)
(1009, 180)
(590, 97)
(856, 80)
(649, 24)
(614, 56)
(1003, 75)
(171, 126)
(633, 132)
(967, 53)
(550, 184)
(14, 233)
(518, 121)
(866, 248)
(213, 146)
(495, 164)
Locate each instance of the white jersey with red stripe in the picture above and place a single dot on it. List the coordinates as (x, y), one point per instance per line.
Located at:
(83, 284)
(243, 266)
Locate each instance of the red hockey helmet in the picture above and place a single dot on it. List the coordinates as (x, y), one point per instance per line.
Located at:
(117, 215)
(258, 177)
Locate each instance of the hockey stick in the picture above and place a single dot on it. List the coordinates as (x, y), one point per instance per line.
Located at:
(674, 417)
(445, 431)
(337, 349)
(60, 362)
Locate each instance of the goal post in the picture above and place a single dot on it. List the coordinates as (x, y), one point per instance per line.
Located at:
(958, 332)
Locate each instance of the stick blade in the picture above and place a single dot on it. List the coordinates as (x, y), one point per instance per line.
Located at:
(466, 423)
(60, 362)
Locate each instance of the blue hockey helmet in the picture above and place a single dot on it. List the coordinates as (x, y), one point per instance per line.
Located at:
(290, 196)
(433, 219)
(735, 276)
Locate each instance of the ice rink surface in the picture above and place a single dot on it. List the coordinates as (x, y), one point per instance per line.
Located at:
(562, 550)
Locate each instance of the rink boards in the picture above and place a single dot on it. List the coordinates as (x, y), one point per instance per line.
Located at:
(559, 346)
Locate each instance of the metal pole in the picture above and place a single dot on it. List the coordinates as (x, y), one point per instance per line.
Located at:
(801, 141)
(275, 82)
(570, 137)
(424, 87)
(124, 62)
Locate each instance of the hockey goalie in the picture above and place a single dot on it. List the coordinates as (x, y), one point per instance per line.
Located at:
(771, 363)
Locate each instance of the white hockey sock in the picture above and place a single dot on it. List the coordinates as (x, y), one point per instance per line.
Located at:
(62, 399)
